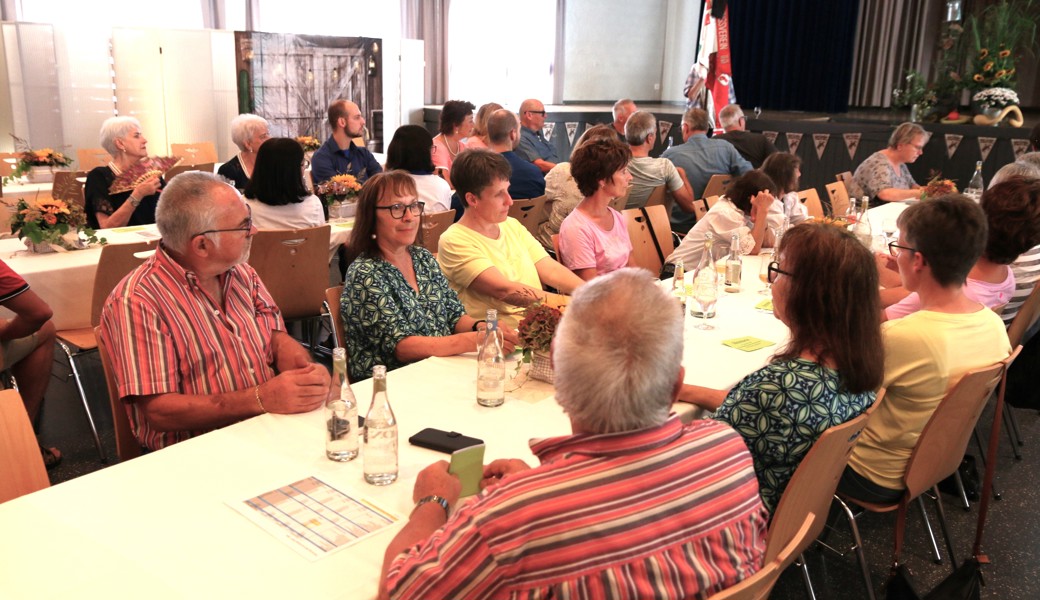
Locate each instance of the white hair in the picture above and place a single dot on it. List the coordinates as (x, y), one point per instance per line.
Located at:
(620, 104)
(617, 353)
(244, 128)
(730, 115)
(115, 128)
(1020, 168)
(186, 208)
(639, 126)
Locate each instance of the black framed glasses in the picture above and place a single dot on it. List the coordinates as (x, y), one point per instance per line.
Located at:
(775, 271)
(893, 248)
(397, 210)
(246, 226)
(537, 112)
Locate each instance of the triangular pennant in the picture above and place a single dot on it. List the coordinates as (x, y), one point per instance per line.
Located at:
(953, 141)
(588, 126)
(771, 136)
(793, 139)
(852, 143)
(663, 127)
(572, 128)
(547, 131)
(820, 141)
(985, 145)
(1020, 147)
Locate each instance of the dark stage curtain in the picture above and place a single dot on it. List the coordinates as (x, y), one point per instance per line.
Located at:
(793, 54)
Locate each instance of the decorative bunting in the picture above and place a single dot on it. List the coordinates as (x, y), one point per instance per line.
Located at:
(1020, 147)
(820, 141)
(985, 145)
(663, 127)
(771, 136)
(852, 143)
(588, 126)
(572, 129)
(953, 141)
(547, 131)
(793, 139)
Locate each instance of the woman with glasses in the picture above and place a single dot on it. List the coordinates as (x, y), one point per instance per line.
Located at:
(276, 192)
(411, 149)
(884, 176)
(825, 291)
(248, 132)
(396, 305)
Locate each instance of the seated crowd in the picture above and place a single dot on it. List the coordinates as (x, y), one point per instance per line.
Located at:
(197, 342)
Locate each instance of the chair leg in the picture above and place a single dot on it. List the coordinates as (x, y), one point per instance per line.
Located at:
(809, 591)
(960, 488)
(931, 535)
(942, 524)
(1014, 424)
(83, 398)
(982, 455)
(860, 555)
(1012, 433)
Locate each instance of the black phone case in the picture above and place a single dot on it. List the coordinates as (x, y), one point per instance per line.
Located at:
(442, 441)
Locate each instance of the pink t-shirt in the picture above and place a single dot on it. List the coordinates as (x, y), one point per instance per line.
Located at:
(584, 245)
(986, 294)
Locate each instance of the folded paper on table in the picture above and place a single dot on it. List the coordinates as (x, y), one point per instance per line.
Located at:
(766, 304)
(130, 229)
(747, 343)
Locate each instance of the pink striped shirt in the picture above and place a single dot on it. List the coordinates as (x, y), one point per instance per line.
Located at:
(166, 334)
(664, 512)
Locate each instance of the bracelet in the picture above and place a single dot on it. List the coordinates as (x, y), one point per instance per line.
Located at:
(256, 391)
(435, 498)
(476, 323)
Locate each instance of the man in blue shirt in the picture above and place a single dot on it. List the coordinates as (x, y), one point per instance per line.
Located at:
(701, 157)
(534, 148)
(503, 131)
(339, 154)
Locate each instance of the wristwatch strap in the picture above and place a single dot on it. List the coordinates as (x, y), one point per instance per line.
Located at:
(437, 499)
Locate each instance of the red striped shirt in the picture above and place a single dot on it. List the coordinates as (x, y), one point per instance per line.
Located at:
(665, 512)
(166, 334)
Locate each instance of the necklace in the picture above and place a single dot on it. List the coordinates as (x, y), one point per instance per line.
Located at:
(458, 146)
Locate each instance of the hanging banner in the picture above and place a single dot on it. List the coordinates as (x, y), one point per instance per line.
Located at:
(820, 141)
(953, 141)
(852, 143)
(663, 127)
(572, 129)
(713, 59)
(1020, 147)
(547, 131)
(771, 136)
(793, 139)
(985, 145)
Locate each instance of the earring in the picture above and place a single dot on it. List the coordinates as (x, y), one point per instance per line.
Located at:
(373, 236)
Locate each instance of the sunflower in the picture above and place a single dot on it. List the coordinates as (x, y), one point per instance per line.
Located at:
(1004, 53)
(977, 77)
(983, 53)
(988, 66)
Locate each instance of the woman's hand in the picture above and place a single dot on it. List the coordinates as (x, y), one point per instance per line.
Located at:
(147, 187)
(762, 201)
(511, 338)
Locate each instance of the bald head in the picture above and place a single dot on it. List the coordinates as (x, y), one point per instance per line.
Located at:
(500, 125)
(532, 114)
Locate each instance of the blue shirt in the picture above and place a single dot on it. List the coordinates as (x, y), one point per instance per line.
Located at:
(527, 180)
(533, 146)
(701, 157)
(329, 160)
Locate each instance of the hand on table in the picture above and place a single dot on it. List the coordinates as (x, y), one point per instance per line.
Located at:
(297, 390)
(497, 469)
(435, 480)
(512, 340)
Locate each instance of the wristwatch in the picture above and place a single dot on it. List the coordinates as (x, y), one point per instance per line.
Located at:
(437, 500)
(134, 202)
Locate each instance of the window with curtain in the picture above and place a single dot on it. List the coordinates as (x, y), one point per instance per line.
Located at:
(105, 14)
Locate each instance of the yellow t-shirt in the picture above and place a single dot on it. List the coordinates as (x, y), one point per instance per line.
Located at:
(926, 353)
(464, 254)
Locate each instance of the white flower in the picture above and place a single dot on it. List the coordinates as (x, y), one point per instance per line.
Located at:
(997, 97)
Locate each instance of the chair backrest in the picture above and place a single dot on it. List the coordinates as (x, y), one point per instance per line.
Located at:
(851, 187)
(529, 212)
(618, 203)
(556, 248)
(758, 586)
(181, 168)
(717, 185)
(662, 228)
(88, 158)
(839, 197)
(332, 296)
(810, 489)
(117, 260)
(8, 162)
(811, 199)
(433, 226)
(942, 442)
(21, 465)
(68, 186)
(127, 446)
(658, 195)
(700, 207)
(647, 234)
(1025, 318)
(710, 201)
(294, 266)
(195, 152)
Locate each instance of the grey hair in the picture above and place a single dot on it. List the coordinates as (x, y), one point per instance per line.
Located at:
(1030, 158)
(617, 353)
(639, 126)
(115, 128)
(730, 115)
(186, 208)
(244, 127)
(1027, 170)
(621, 103)
(905, 134)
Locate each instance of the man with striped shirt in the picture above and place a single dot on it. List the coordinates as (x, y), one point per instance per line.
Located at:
(195, 338)
(633, 504)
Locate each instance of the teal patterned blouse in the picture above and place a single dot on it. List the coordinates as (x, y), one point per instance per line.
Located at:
(380, 309)
(780, 410)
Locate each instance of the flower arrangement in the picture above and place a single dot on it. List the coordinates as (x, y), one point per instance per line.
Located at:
(836, 221)
(915, 95)
(51, 222)
(537, 328)
(46, 157)
(341, 187)
(998, 32)
(310, 144)
(938, 186)
(997, 97)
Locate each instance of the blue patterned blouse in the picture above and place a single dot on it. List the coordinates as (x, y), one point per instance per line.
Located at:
(380, 309)
(780, 410)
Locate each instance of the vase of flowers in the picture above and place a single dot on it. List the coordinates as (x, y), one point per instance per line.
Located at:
(937, 186)
(992, 101)
(1000, 32)
(38, 165)
(340, 195)
(915, 95)
(52, 225)
(536, 331)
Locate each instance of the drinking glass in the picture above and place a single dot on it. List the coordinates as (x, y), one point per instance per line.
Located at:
(889, 228)
(705, 294)
(763, 273)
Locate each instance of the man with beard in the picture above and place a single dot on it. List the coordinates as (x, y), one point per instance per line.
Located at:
(339, 154)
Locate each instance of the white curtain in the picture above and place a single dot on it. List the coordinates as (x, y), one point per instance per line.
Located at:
(427, 20)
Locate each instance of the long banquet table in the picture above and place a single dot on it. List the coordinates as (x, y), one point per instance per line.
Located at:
(160, 525)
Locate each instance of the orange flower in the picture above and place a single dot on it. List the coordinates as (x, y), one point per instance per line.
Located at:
(983, 53)
(50, 219)
(977, 77)
(1004, 53)
(988, 66)
(1000, 73)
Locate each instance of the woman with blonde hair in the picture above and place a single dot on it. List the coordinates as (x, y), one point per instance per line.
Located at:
(479, 139)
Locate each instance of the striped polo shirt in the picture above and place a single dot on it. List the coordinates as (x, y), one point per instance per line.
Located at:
(166, 334)
(664, 512)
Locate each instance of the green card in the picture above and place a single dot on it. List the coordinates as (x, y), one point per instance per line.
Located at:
(468, 465)
(130, 229)
(345, 224)
(747, 343)
(766, 304)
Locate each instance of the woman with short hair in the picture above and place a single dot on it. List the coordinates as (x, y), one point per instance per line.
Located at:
(884, 176)
(411, 149)
(122, 138)
(456, 124)
(276, 192)
(784, 169)
(479, 138)
(248, 132)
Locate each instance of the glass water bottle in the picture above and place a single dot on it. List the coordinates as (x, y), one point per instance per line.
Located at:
(341, 413)
(491, 365)
(380, 434)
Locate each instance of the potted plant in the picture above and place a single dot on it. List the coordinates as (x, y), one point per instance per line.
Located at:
(37, 164)
(1000, 33)
(991, 101)
(51, 225)
(536, 331)
(339, 194)
(915, 95)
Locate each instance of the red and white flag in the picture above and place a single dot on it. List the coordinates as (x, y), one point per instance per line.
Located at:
(713, 59)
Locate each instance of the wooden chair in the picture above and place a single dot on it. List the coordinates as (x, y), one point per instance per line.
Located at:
(528, 212)
(811, 199)
(758, 586)
(68, 186)
(717, 185)
(89, 158)
(936, 456)
(700, 208)
(181, 168)
(195, 153)
(21, 465)
(851, 187)
(839, 197)
(710, 201)
(1025, 318)
(650, 233)
(659, 195)
(127, 446)
(117, 260)
(294, 266)
(433, 226)
(8, 162)
(331, 307)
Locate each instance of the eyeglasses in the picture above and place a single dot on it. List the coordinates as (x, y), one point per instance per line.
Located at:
(397, 210)
(537, 112)
(246, 227)
(775, 271)
(893, 248)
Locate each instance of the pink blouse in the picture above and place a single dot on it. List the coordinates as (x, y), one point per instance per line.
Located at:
(584, 245)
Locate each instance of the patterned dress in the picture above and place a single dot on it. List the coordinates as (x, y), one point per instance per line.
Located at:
(380, 309)
(780, 410)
